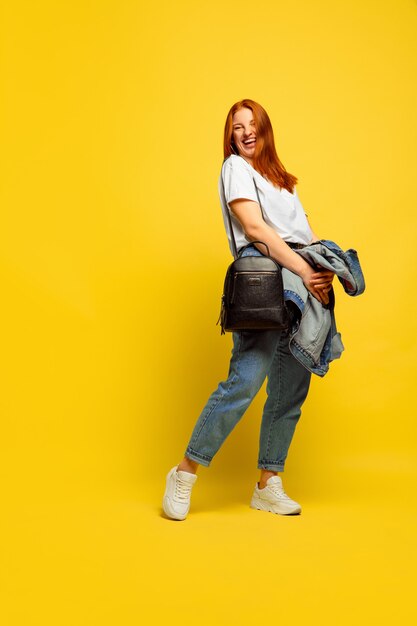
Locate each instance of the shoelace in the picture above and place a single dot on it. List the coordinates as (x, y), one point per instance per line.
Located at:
(279, 491)
(182, 489)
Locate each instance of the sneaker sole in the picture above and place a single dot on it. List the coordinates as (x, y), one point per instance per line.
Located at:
(261, 505)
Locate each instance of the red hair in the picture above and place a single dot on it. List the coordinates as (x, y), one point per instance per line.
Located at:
(265, 158)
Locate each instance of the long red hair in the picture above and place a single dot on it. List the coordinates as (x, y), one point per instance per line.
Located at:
(265, 158)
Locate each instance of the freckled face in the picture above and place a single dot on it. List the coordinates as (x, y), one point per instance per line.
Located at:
(244, 133)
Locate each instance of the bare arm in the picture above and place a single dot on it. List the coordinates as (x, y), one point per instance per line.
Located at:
(249, 215)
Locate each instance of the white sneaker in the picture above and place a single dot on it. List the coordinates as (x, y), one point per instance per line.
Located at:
(273, 498)
(176, 502)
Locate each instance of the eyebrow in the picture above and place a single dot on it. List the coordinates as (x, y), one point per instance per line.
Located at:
(240, 123)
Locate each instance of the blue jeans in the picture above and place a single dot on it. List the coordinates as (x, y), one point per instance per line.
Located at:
(255, 356)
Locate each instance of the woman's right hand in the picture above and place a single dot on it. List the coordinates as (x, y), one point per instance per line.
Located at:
(307, 276)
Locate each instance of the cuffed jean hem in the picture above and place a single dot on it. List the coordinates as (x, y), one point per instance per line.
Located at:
(271, 466)
(197, 457)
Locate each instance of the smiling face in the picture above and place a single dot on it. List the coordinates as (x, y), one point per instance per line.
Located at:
(244, 133)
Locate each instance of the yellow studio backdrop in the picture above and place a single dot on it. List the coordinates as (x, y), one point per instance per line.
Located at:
(113, 255)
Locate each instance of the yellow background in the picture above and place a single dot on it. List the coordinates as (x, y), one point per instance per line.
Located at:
(113, 255)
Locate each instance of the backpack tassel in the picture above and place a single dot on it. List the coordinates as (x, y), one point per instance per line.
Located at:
(222, 316)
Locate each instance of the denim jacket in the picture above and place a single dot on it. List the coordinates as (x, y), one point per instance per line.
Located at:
(314, 339)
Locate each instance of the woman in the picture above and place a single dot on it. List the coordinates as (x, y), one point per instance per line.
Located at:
(249, 152)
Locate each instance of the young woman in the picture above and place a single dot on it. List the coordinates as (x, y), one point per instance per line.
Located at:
(249, 152)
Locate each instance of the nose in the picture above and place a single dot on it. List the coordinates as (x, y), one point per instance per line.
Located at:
(247, 132)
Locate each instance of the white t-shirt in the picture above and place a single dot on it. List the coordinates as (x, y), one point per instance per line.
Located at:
(282, 210)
